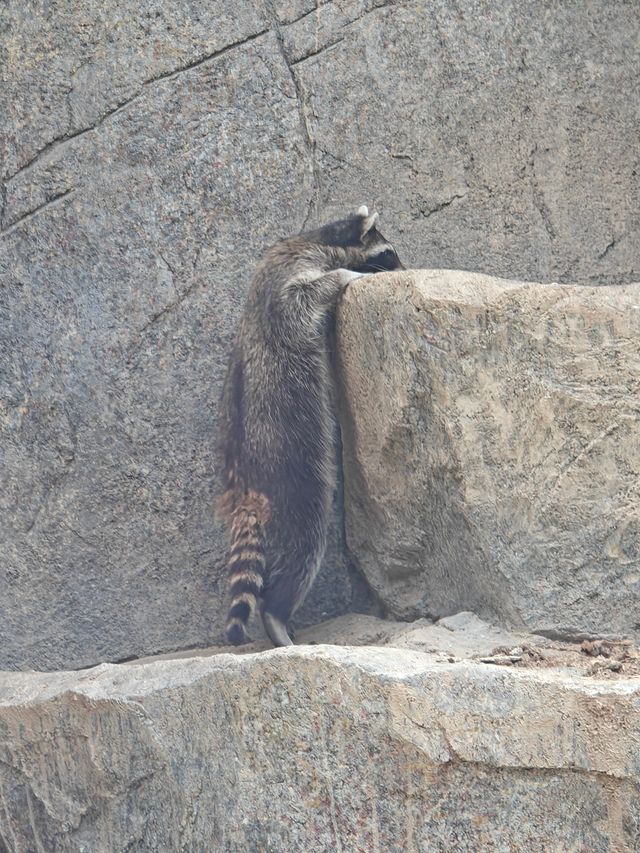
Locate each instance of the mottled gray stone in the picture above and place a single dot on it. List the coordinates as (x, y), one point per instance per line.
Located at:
(500, 137)
(492, 448)
(320, 748)
(148, 151)
(119, 298)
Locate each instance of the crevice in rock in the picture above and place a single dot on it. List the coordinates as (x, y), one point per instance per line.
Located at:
(322, 5)
(168, 75)
(340, 160)
(455, 757)
(3, 204)
(167, 308)
(572, 461)
(80, 536)
(623, 277)
(181, 296)
(60, 141)
(171, 272)
(573, 635)
(303, 111)
(400, 155)
(318, 51)
(41, 507)
(33, 821)
(425, 214)
(603, 254)
(539, 201)
(304, 15)
(67, 137)
(52, 202)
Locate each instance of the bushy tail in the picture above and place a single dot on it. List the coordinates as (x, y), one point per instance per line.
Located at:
(246, 561)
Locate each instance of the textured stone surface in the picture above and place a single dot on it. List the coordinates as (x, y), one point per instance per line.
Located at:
(317, 749)
(148, 151)
(492, 448)
(495, 137)
(131, 217)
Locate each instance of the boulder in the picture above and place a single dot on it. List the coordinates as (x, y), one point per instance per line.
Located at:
(318, 748)
(491, 436)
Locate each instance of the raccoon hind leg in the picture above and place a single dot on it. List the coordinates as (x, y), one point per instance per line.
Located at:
(290, 580)
(275, 628)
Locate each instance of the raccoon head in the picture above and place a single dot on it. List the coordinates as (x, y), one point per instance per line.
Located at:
(378, 255)
(367, 250)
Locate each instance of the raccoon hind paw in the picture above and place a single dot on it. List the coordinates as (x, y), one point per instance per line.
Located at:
(276, 629)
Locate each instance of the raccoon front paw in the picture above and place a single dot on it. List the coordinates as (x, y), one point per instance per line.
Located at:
(345, 276)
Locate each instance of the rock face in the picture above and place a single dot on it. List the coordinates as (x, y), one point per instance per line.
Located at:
(320, 748)
(492, 448)
(496, 138)
(149, 151)
(149, 156)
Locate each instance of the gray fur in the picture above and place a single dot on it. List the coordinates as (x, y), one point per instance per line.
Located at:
(277, 423)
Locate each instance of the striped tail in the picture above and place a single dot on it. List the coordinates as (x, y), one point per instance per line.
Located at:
(246, 562)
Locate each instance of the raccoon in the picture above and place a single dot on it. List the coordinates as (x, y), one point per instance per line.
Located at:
(277, 428)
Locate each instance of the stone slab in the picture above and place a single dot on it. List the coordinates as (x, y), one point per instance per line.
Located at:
(491, 435)
(322, 748)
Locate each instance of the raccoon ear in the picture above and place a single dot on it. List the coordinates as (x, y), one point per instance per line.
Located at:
(368, 221)
(363, 210)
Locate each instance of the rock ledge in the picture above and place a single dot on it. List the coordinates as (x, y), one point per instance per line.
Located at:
(320, 748)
